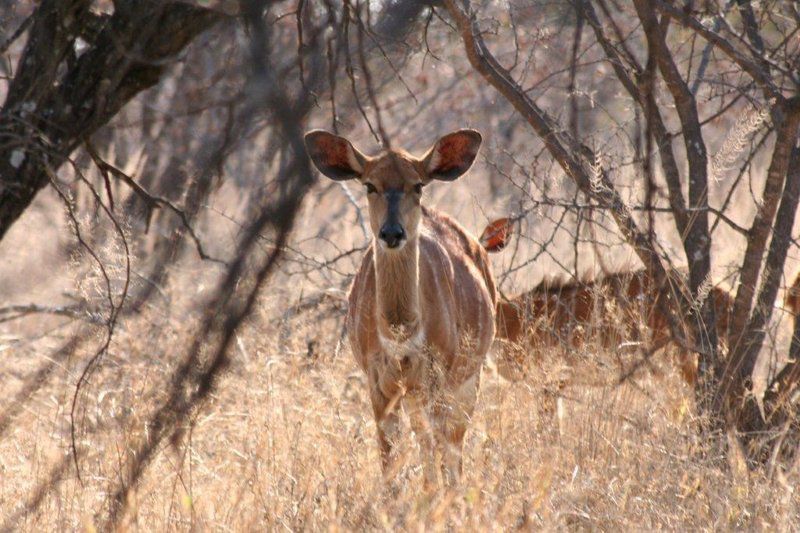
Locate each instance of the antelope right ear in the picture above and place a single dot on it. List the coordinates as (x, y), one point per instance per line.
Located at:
(334, 156)
(452, 155)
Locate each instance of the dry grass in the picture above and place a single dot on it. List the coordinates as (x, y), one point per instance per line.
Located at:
(287, 441)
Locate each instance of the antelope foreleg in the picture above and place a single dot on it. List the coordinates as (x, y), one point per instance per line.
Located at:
(387, 423)
(418, 413)
(452, 414)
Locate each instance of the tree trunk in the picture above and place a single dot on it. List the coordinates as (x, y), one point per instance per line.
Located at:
(59, 98)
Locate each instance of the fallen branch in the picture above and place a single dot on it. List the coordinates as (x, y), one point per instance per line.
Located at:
(76, 311)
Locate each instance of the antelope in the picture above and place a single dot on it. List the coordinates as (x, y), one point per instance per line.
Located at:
(792, 299)
(564, 313)
(558, 313)
(421, 309)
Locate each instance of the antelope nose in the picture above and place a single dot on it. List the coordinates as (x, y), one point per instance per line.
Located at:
(392, 234)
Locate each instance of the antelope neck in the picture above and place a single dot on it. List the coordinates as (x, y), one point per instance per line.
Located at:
(397, 288)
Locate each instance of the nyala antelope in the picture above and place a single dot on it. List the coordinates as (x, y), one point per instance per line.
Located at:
(792, 300)
(611, 309)
(421, 308)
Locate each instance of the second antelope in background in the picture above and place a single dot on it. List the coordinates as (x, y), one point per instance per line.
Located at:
(612, 310)
(421, 307)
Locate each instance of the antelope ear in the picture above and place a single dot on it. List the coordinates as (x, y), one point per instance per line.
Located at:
(334, 156)
(452, 155)
(792, 300)
(497, 235)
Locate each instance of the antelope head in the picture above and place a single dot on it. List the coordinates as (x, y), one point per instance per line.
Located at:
(394, 179)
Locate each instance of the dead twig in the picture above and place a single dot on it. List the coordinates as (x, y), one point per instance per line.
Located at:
(152, 201)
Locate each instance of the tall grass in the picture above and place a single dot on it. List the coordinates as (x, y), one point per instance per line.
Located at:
(288, 442)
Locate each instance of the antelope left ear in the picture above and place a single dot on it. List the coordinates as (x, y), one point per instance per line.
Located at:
(452, 155)
(334, 156)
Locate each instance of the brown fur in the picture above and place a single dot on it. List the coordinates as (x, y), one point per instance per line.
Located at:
(563, 314)
(450, 299)
(792, 300)
(421, 315)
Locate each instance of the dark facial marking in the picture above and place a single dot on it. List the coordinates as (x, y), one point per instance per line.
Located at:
(392, 231)
(393, 198)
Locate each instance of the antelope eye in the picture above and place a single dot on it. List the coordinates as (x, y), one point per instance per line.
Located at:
(418, 188)
(370, 188)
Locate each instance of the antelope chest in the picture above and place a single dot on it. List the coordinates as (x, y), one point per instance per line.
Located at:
(401, 362)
